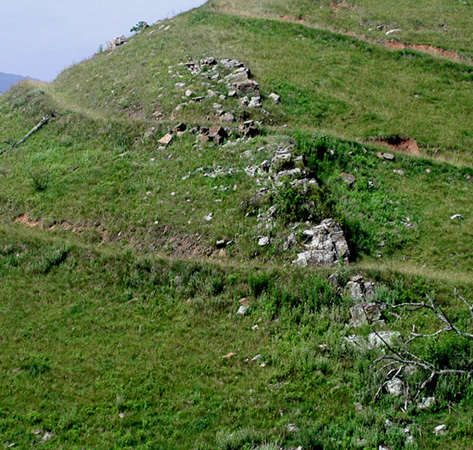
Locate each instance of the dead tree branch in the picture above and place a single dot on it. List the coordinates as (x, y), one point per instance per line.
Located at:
(36, 128)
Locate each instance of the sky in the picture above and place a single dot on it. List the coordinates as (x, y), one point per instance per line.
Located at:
(40, 38)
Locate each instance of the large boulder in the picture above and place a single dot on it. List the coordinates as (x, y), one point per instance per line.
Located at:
(325, 247)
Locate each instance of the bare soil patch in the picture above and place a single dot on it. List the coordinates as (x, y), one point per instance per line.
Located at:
(401, 144)
(424, 48)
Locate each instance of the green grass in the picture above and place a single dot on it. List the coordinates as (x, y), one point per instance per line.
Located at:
(440, 23)
(96, 334)
(117, 306)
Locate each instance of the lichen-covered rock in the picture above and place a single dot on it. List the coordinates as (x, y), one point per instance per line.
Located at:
(325, 247)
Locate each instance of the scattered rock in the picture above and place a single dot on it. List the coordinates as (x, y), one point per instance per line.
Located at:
(365, 314)
(217, 134)
(358, 407)
(221, 244)
(263, 241)
(227, 117)
(179, 128)
(229, 355)
(326, 245)
(348, 178)
(209, 217)
(166, 139)
(386, 156)
(456, 217)
(255, 102)
(242, 310)
(209, 61)
(398, 172)
(189, 93)
(381, 338)
(440, 430)
(426, 403)
(395, 387)
(292, 428)
(275, 97)
(180, 84)
(116, 42)
(248, 87)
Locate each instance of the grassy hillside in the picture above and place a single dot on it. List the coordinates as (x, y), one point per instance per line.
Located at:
(442, 24)
(125, 260)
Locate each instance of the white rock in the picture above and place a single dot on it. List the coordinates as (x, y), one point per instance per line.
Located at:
(255, 102)
(395, 387)
(456, 216)
(209, 217)
(275, 97)
(440, 430)
(263, 241)
(242, 310)
(426, 403)
(381, 338)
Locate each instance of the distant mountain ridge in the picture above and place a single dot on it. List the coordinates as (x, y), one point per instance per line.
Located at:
(7, 80)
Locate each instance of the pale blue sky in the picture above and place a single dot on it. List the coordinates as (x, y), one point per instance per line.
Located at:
(40, 38)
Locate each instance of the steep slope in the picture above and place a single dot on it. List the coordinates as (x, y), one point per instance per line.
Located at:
(148, 231)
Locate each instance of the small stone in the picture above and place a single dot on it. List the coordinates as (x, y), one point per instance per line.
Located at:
(348, 178)
(229, 355)
(180, 84)
(217, 106)
(381, 338)
(263, 241)
(292, 428)
(358, 407)
(395, 387)
(244, 301)
(227, 117)
(256, 358)
(255, 102)
(189, 93)
(221, 244)
(275, 97)
(426, 403)
(440, 430)
(242, 310)
(121, 415)
(166, 139)
(209, 217)
(456, 217)
(398, 172)
(386, 156)
(232, 93)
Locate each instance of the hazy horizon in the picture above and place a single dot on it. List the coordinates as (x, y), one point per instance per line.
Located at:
(39, 40)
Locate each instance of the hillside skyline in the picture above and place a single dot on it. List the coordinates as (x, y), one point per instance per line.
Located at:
(41, 40)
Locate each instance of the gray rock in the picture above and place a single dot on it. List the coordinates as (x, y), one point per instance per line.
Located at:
(440, 430)
(227, 117)
(255, 102)
(395, 387)
(426, 403)
(288, 174)
(209, 61)
(282, 160)
(248, 87)
(326, 245)
(242, 310)
(237, 77)
(365, 314)
(348, 178)
(263, 241)
(116, 42)
(275, 97)
(381, 338)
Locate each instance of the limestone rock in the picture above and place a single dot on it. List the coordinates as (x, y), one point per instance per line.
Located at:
(116, 42)
(248, 87)
(326, 245)
(395, 387)
(365, 314)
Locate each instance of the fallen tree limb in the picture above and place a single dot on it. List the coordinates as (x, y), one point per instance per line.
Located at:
(36, 128)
